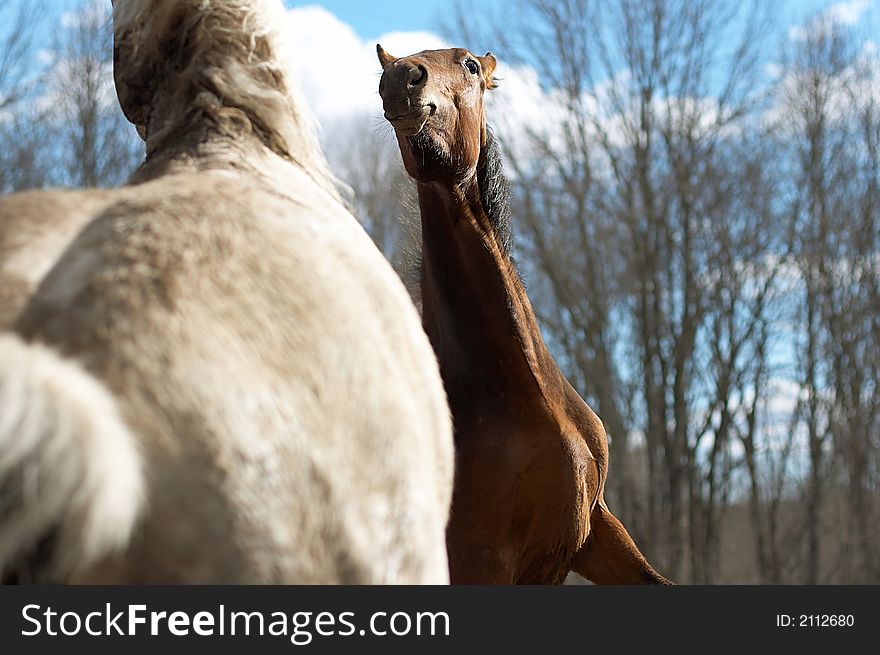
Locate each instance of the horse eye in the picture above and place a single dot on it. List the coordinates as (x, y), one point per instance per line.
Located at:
(472, 66)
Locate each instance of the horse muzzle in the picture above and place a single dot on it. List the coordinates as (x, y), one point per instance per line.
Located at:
(412, 122)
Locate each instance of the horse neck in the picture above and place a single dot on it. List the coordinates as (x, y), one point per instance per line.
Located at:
(225, 95)
(194, 149)
(475, 309)
(182, 144)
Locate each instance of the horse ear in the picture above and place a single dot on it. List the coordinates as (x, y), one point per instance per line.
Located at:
(384, 58)
(488, 63)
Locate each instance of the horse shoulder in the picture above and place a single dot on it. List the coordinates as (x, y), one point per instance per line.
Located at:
(35, 229)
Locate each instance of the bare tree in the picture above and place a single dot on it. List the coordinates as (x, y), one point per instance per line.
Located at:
(702, 247)
(364, 157)
(98, 147)
(20, 20)
(653, 229)
(20, 138)
(830, 102)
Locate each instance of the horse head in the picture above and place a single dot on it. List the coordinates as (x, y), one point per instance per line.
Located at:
(434, 101)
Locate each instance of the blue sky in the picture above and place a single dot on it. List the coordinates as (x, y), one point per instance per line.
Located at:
(343, 34)
(371, 19)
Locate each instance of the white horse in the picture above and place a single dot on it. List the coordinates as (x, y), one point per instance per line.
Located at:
(214, 376)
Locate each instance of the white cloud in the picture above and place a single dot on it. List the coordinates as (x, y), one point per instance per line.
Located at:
(851, 90)
(847, 13)
(520, 107)
(334, 72)
(801, 32)
(401, 44)
(339, 76)
(338, 71)
(782, 396)
(45, 57)
(774, 71)
(841, 13)
(69, 19)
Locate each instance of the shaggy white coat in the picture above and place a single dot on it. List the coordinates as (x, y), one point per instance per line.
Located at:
(233, 385)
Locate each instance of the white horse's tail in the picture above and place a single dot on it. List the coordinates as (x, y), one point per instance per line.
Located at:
(71, 481)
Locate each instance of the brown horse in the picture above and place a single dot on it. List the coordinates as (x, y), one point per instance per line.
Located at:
(532, 457)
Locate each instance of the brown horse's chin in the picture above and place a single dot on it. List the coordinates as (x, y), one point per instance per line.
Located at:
(410, 130)
(427, 157)
(412, 123)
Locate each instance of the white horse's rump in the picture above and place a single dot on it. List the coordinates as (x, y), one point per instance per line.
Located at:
(243, 350)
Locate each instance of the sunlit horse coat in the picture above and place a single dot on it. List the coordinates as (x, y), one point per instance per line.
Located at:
(218, 378)
(532, 456)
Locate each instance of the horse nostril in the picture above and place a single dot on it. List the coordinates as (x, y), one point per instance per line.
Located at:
(418, 76)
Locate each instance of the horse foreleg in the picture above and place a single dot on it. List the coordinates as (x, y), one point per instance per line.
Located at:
(610, 556)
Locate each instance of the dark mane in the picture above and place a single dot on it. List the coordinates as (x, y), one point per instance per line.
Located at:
(495, 191)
